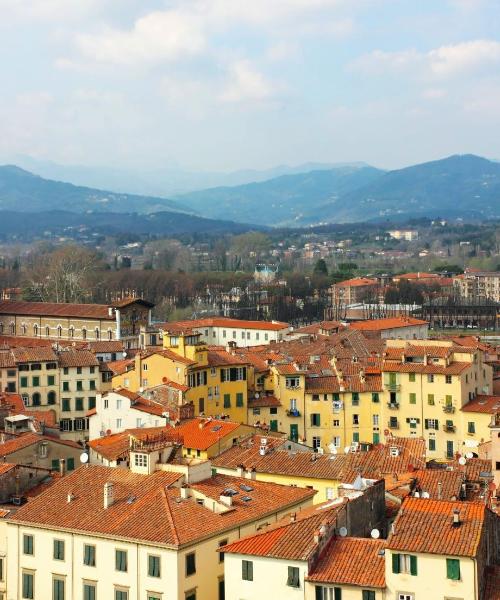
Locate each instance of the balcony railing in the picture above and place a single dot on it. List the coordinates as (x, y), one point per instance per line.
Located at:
(448, 408)
(293, 412)
(393, 387)
(449, 428)
(393, 424)
(393, 405)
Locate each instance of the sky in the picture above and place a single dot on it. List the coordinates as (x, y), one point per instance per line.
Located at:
(220, 85)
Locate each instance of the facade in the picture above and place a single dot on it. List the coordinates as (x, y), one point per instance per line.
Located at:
(76, 322)
(409, 235)
(478, 285)
(406, 328)
(352, 291)
(113, 534)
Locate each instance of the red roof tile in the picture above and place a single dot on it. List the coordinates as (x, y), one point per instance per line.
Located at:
(389, 323)
(201, 433)
(483, 404)
(227, 322)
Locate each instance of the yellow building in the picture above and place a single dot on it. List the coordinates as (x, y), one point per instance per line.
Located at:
(216, 378)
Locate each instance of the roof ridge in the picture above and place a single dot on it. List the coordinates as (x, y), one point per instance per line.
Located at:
(170, 517)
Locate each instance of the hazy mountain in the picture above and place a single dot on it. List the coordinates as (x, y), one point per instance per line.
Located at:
(285, 200)
(22, 191)
(458, 186)
(167, 181)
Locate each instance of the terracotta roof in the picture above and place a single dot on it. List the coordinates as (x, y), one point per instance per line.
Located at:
(247, 451)
(218, 357)
(440, 484)
(115, 446)
(118, 367)
(157, 513)
(24, 440)
(352, 561)
(12, 401)
(201, 434)
(315, 328)
(263, 401)
(52, 309)
(454, 368)
(357, 282)
(42, 354)
(6, 467)
(7, 360)
(47, 417)
(167, 353)
(483, 404)
(77, 358)
(106, 346)
(289, 540)
(425, 526)
(417, 276)
(227, 322)
(390, 323)
(492, 591)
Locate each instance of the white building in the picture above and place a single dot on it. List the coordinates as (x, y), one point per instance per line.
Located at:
(408, 235)
(219, 331)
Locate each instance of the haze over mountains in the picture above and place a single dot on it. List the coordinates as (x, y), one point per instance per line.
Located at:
(465, 186)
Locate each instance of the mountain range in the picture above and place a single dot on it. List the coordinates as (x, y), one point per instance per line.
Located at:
(460, 186)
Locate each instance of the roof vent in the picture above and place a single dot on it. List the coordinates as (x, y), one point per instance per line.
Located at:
(456, 518)
(108, 494)
(71, 497)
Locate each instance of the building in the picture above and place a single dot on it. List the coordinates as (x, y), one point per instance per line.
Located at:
(409, 235)
(478, 285)
(120, 320)
(219, 331)
(406, 328)
(352, 291)
(111, 533)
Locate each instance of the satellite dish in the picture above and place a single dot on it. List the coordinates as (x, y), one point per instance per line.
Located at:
(84, 458)
(469, 455)
(425, 495)
(347, 449)
(375, 533)
(332, 448)
(124, 354)
(257, 395)
(462, 461)
(342, 532)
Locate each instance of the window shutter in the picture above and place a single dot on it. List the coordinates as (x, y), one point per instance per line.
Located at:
(337, 593)
(395, 563)
(453, 569)
(413, 565)
(426, 423)
(319, 592)
(250, 570)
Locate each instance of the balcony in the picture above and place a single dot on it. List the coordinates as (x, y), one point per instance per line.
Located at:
(392, 387)
(449, 428)
(393, 405)
(448, 409)
(293, 412)
(393, 425)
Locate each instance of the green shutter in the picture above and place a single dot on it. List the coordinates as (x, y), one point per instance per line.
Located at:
(413, 565)
(319, 592)
(88, 592)
(227, 400)
(337, 593)
(453, 569)
(395, 563)
(58, 589)
(239, 399)
(27, 585)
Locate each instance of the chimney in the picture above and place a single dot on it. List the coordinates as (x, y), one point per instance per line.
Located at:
(240, 471)
(62, 467)
(251, 474)
(227, 500)
(440, 490)
(293, 517)
(108, 494)
(456, 518)
(185, 492)
(70, 497)
(317, 536)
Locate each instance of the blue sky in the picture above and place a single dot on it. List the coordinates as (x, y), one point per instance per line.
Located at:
(231, 84)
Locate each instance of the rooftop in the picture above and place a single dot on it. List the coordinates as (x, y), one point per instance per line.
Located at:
(226, 322)
(389, 323)
(483, 404)
(202, 433)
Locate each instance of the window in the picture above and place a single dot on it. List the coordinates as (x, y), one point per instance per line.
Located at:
(404, 563)
(413, 398)
(471, 427)
(315, 420)
(141, 460)
(36, 399)
(336, 441)
(78, 403)
(368, 595)
(28, 585)
(292, 382)
(316, 442)
(247, 570)
(432, 445)
(190, 564)
(66, 404)
(153, 566)
(430, 399)
(28, 546)
(431, 424)
(453, 569)
(355, 399)
(92, 402)
(375, 397)
(70, 464)
(328, 593)
(89, 591)
(121, 560)
(191, 595)
(57, 588)
(375, 419)
(411, 377)
(24, 382)
(92, 384)
(239, 399)
(430, 378)
(336, 422)
(54, 464)
(36, 381)
(51, 379)
(355, 436)
(2, 575)
(355, 419)
(79, 386)
(65, 386)
(121, 594)
(58, 550)
(221, 554)
(118, 423)
(51, 398)
(89, 555)
(405, 596)
(227, 400)
(448, 378)
(293, 579)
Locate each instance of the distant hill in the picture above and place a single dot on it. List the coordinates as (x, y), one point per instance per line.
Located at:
(22, 191)
(280, 201)
(25, 226)
(465, 186)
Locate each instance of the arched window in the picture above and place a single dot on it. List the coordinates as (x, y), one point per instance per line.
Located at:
(35, 330)
(1, 328)
(110, 334)
(71, 331)
(12, 328)
(37, 399)
(84, 333)
(51, 398)
(97, 333)
(23, 329)
(47, 331)
(59, 331)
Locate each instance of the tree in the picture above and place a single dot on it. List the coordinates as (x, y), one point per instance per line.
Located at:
(320, 268)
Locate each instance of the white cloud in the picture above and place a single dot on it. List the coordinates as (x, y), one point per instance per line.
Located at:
(162, 35)
(48, 10)
(247, 84)
(445, 61)
(433, 94)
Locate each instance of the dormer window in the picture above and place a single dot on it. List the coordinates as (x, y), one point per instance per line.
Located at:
(140, 460)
